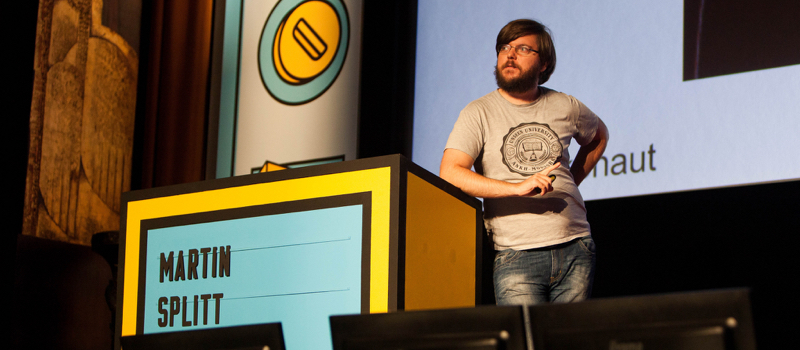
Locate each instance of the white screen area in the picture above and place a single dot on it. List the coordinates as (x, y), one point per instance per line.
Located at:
(625, 61)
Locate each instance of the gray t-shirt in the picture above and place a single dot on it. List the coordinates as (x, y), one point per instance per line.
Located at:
(511, 142)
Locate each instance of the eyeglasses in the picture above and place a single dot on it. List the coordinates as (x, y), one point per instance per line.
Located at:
(521, 50)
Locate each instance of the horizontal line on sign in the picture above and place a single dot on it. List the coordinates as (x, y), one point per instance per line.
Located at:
(186, 256)
(291, 294)
(293, 245)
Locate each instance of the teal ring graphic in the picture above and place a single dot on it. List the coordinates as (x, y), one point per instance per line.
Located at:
(297, 94)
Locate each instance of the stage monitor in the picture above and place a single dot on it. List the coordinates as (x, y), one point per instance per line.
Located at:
(479, 328)
(267, 336)
(709, 320)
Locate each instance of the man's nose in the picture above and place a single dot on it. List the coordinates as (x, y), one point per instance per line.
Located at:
(512, 53)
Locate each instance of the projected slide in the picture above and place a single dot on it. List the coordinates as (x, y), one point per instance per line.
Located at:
(696, 94)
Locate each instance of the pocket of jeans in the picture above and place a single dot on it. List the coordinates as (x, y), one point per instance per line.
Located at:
(504, 257)
(587, 244)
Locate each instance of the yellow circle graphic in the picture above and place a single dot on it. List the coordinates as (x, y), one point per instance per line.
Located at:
(306, 42)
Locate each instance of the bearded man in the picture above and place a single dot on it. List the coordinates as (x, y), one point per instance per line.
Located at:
(517, 139)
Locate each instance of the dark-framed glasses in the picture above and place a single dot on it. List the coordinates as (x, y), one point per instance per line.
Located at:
(521, 50)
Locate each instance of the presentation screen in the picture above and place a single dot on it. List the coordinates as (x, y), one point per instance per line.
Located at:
(696, 94)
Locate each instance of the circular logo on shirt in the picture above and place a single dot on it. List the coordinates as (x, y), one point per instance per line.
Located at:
(530, 148)
(302, 48)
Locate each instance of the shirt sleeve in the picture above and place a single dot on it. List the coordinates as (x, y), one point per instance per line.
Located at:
(468, 132)
(586, 124)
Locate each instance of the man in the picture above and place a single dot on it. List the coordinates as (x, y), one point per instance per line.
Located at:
(517, 137)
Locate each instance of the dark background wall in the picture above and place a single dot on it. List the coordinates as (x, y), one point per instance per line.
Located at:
(387, 78)
(718, 238)
(711, 239)
(18, 76)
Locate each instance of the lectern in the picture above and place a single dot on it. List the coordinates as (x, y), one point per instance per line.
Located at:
(296, 246)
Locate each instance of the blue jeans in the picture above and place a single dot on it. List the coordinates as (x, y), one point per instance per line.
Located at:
(561, 273)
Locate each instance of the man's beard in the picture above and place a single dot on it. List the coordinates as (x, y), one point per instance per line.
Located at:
(523, 83)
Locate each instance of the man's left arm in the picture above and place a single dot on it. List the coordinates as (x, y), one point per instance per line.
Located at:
(589, 154)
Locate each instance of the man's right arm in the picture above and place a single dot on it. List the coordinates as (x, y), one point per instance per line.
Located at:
(456, 168)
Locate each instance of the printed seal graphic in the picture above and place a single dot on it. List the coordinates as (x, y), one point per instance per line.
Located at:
(302, 49)
(530, 148)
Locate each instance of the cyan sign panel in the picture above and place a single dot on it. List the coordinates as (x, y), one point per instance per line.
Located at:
(292, 263)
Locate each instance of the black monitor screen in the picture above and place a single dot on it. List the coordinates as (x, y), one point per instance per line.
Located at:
(462, 341)
(251, 337)
(480, 328)
(712, 320)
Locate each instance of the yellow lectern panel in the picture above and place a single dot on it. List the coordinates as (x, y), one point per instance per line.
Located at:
(440, 249)
(412, 239)
(376, 181)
